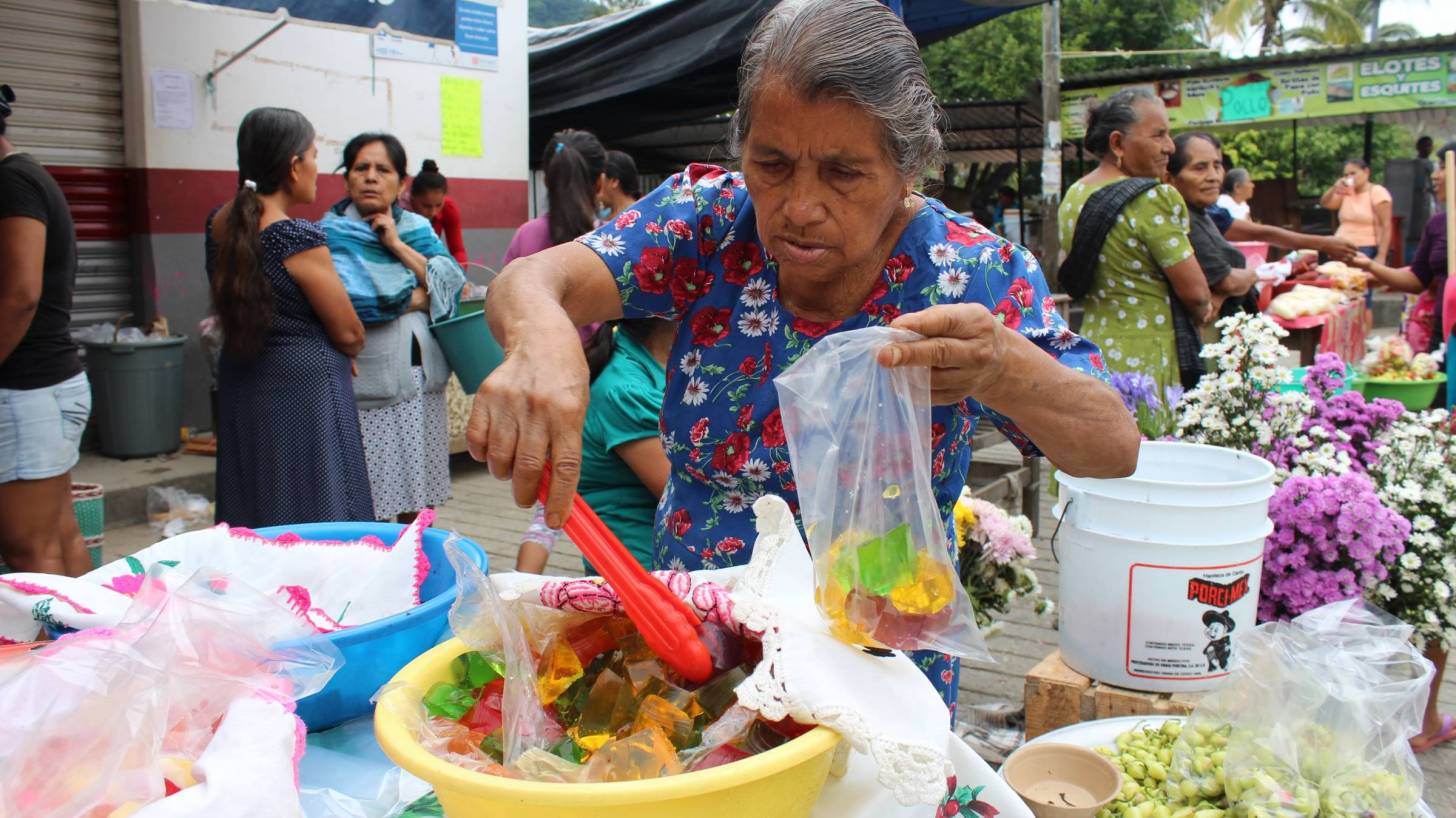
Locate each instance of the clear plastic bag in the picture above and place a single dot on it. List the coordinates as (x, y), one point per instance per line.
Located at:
(859, 439)
(1316, 718)
(174, 511)
(104, 719)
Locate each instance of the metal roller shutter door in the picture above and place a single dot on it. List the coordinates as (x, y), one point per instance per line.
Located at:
(63, 57)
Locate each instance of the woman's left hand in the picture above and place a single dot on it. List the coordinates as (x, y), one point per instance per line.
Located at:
(964, 346)
(383, 225)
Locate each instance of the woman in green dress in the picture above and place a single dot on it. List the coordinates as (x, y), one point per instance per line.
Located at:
(1147, 259)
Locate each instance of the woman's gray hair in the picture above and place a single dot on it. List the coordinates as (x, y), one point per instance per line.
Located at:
(1113, 115)
(1235, 177)
(852, 50)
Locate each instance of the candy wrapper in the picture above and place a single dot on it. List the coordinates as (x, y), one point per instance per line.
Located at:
(859, 438)
(182, 707)
(1316, 719)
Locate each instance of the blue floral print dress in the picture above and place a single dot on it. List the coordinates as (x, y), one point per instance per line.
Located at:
(690, 251)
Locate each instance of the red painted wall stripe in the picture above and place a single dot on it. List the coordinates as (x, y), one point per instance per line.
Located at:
(178, 201)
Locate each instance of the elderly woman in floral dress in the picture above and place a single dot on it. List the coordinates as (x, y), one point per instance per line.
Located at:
(821, 233)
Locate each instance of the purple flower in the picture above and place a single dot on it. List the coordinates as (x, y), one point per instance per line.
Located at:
(1332, 539)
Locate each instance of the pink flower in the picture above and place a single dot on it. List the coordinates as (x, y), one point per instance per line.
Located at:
(127, 584)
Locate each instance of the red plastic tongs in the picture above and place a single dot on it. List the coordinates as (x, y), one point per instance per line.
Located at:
(667, 624)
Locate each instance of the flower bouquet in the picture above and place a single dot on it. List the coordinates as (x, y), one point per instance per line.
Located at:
(1156, 416)
(1333, 539)
(996, 553)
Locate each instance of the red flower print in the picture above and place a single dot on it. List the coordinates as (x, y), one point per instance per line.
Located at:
(938, 465)
(654, 228)
(706, 245)
(790, 485)
(899, 268)
(1048, 304)
(1005, 253)
(652, 268)
(1021, 292)
(697, 172)
(889, 312)
(949, 809)
(689, 282)
(767, 364)
(814, 329)
(773, 432)
(719, 211)
(781, 467)
(947, 676)
(627, 219)
(730, 455)
(679, 228)
(749, 365)
(965, 236)
(937, 434)
(964, 406)
(983, 809)
(711, 326)
(745, 417)
(695, 454)
(695, 472)
(1096, 360)
(700, 431)
(741, 260)
(729, 545)
(1009, 313)
(876, 293)
(680, 521)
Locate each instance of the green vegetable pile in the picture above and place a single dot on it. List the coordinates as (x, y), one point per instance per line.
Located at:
(1178, 771)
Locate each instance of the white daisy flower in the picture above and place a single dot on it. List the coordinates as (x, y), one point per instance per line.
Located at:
(1102, 258)
(757, 470)
(1142, 323)
(1153, 194)
(689, 363)
(1160, 319)
(1134, 361)
(756, 293)
(952, 283)
(1135, 264)
(1173, 242)
(1132, 242)
(1128, 283)
(1065, 340)
(606, 244)
(734, 502)
(1132, 299)
(754, 323)
(725, 479)
(944, 254)
(695, 392)
(1132, 222)
(1158, 219)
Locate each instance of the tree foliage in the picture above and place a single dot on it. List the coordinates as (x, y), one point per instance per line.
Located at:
(1002, 59)
(1270, 153)
(551, 13)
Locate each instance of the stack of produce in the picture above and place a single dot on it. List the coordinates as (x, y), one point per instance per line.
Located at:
(1394, 360)
(1344, 277)
(609, 710)
(1305, 300)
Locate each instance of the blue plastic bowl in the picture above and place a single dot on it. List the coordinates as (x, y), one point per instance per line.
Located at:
(373, 653)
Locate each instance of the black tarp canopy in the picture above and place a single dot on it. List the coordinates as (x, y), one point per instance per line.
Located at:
(676, 63)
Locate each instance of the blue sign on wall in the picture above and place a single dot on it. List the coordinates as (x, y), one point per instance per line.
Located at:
(475, 28)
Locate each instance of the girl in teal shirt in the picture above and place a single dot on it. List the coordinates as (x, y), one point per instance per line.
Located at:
(623, 465)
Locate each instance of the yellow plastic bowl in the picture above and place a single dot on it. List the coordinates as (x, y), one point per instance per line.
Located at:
(781, 783)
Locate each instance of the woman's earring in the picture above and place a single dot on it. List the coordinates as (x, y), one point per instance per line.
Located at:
(1119, 163)
(909, 202)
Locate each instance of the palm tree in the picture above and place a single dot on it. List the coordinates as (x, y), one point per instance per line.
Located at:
(1237, 17)
(1345, 23)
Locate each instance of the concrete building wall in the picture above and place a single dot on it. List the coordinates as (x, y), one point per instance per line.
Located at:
(178, 175)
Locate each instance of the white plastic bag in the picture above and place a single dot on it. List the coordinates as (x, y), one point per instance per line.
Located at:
(859, 439)
(173, 511)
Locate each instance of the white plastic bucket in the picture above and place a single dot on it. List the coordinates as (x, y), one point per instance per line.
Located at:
(1158, 569)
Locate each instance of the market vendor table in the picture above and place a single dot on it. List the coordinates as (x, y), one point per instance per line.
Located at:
(1341, 332)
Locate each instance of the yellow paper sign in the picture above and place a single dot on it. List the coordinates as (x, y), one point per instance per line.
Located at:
(460, 117)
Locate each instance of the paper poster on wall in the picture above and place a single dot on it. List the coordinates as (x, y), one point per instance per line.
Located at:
(1247, 101)
(172, 99)
(460, 117)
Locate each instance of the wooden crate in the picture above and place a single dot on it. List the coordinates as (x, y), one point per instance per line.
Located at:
(1057, 696)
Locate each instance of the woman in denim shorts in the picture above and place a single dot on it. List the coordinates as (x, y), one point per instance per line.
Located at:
(45, 398)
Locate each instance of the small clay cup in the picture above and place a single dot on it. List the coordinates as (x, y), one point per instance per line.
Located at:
(1062, 780)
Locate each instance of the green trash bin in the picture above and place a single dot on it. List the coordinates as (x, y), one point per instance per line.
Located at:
(469, 347)
(136, 392)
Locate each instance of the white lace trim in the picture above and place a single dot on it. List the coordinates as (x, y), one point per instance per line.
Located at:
(914, 773)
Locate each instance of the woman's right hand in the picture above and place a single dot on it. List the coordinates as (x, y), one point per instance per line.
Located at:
(530, 412)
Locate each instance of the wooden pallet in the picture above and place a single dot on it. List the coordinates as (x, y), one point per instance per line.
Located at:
(1057, 696)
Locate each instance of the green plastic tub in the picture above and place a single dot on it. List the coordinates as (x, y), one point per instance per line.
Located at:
(1296, 380)
(1416, 395)
(137, 394)
(469, 347)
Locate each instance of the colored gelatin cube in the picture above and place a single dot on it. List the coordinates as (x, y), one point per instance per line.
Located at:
(725, 648)
(725, 754)
(886, 562)
(448, 701)
(474, 669)
(932, 589)
(485, 716)
(571, 751)
(674, 722)
(558, 668)
(676, 696)
(494, 745)
(606, 711)
(641, 756)
(591, 639)
(717, 695)
(903, 631)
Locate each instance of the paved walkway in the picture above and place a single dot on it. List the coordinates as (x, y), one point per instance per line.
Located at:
(482, 509)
